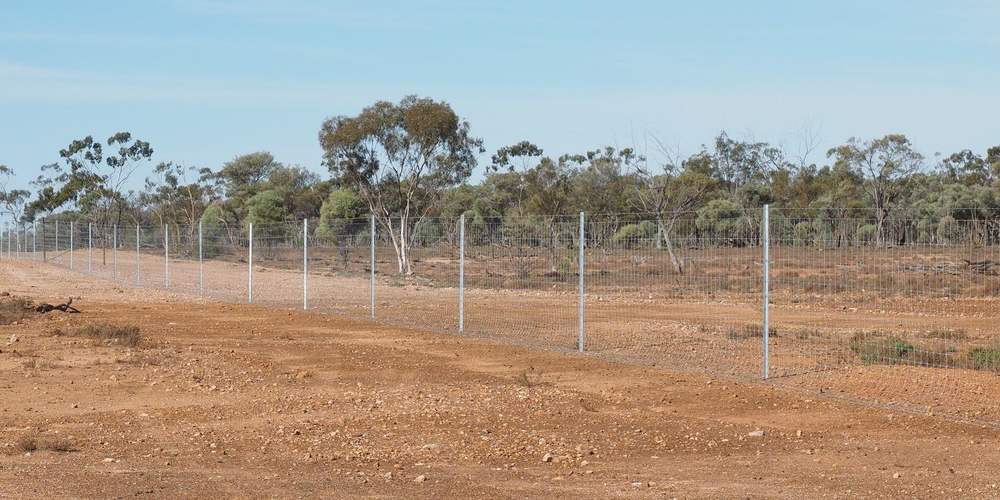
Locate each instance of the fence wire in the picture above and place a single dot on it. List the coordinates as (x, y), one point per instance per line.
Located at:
(884, 309)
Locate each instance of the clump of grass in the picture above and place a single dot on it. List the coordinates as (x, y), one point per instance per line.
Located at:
(26, 444)
(15, 309)
(749, 332)
(127, 335)
(526, 379)
(30, 443)
(881, 348)
(946, 334)
(985, 358)
(875, 348)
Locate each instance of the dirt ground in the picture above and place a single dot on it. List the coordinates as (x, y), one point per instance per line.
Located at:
(245, 401)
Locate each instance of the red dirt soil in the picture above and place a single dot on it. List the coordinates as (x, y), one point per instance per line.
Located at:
(244, 401)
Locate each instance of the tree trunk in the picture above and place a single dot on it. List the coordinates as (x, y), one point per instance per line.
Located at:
(665, 232)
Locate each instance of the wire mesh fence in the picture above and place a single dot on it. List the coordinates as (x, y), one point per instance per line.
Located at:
(888, 310)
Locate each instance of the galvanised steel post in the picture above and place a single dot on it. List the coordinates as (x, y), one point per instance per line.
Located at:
(166, 257)
(138, 279)
(250, 269)
(56, 249)
(90, 247)
(580, 305)
(305, 264)
(201, 270)
(371, 283)
(766, 244)
(34, 239)
(72, 226)
(114, 251)
(461, 274)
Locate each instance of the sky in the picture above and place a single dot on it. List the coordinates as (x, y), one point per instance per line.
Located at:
(205, 81)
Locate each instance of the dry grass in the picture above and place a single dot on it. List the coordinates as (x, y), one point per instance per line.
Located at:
(749, 331)
(30, 443)
(15, 309)
(106, 334)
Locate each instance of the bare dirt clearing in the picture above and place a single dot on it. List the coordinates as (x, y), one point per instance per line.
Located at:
(233, 400)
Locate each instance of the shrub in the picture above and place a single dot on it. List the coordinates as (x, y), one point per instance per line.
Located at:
(985, 358)
(338, 217)
(866, 233)
(427, 232)
(266, 207)
(631, 235)
(803, 233)
(127, 335)
(877, 349)
(719, 217)
(213, 231)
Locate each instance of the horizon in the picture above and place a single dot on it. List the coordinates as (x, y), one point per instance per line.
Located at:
(202, 86)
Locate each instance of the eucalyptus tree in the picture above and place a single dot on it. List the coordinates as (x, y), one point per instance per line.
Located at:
(399, 158)
(885, 164)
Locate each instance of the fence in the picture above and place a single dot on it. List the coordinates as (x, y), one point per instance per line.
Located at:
(897, 311)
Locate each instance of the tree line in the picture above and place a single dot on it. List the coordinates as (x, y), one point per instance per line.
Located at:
(411, 161)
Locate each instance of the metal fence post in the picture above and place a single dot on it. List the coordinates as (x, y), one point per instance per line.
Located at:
(250, 269)
(372, 273)
(201, 270)
(114, 250)
(90, 247)
(166, 256)
(580, 312)
(766, 244)
(56, 249)
(138, 279)
(72, 226)
(461, 274)
(45, 257)
(305, 264)
(34, 239)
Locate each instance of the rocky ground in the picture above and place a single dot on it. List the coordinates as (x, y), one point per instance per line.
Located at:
(242, 401)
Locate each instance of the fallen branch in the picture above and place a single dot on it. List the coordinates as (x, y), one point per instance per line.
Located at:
(66, 308)
(981, 266)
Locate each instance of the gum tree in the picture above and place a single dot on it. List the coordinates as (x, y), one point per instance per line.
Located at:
(400, 158)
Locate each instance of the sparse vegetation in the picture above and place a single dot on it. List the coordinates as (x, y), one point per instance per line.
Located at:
(106, 334)
(30, 443)
(15, 309)
(749, 331)
(985, 358)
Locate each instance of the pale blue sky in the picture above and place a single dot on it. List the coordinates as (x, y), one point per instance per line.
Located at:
(204, 81)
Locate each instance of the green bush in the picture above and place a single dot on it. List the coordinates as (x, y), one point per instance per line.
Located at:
(631, 235)
(427, 232)
(866, 233)
(985, 358)
(213, 231)
(875, 349)
(266, 207)
(339, 216)
(803, 232)
(719, 216)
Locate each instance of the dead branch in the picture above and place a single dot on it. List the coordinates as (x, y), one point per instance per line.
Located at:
(67, 307)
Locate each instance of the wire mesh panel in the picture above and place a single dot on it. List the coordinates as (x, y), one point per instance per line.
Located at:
(684, 293)
(416, 268)
(521, 279)
(277, 264)
(339, 266)
(225, 255)
(897, 311)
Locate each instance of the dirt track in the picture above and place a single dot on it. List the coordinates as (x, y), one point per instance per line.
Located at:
(231, 400)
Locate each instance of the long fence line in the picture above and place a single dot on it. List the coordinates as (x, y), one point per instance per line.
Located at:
(894, 311)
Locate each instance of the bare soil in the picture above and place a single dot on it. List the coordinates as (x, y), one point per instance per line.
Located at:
(245, 401)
